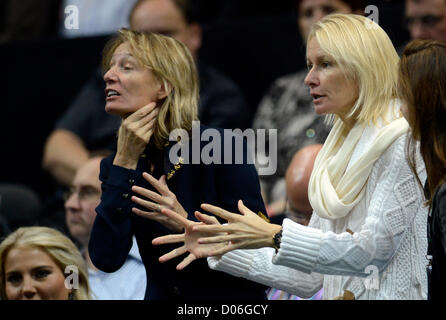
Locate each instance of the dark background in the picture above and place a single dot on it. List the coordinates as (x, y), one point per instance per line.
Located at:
(252, 42)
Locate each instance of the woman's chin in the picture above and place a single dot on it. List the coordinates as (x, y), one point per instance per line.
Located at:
(320, 111)
(116, 111)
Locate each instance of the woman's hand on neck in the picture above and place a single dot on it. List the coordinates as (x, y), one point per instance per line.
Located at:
(134, 134)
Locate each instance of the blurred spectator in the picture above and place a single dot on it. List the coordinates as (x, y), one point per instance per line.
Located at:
(297, 178)
(28, 20)
(19, 205)
(230, 10)
(298, 207)
(221, 101)
(288, 106)
(426, 19)
(34, 262)
(33, 20)
(4, 228)
(96, 17)
(129, 282)
(86, 126)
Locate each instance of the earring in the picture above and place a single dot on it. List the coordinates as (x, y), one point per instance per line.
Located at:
(71, 296)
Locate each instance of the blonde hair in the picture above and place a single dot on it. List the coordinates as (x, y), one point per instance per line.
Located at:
(60, 248)
(172, 64)
(367, 56)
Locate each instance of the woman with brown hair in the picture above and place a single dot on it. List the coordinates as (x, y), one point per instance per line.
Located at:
(422, 86)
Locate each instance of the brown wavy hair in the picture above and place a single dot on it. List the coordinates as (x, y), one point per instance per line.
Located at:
(422, 86)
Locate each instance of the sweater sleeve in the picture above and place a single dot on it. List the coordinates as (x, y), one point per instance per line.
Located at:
(257, 265)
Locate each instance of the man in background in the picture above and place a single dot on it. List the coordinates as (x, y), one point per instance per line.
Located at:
(298, 207)
(129, 282)
(426, 19)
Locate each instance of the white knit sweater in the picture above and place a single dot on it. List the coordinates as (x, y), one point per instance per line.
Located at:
(389, 226)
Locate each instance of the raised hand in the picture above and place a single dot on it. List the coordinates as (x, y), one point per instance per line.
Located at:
(189, 239)
(209, 238)
(243, 231)
(164, 199)
(134, 135)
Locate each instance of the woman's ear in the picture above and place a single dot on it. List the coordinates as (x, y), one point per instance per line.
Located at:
(164, 90)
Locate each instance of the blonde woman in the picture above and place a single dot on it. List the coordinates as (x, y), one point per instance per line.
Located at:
(367, 235)
(40, 263)
(151, 82)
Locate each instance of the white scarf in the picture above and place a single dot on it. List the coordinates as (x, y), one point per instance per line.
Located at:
(334, 188)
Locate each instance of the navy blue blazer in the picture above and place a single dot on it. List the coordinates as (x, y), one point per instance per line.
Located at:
(193, 184)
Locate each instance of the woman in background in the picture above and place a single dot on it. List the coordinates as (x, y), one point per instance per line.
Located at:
(33, 265)
(422, 87)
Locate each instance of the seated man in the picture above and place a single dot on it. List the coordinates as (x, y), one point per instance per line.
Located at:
(426, 19)
(298, 207)
(129, 282)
